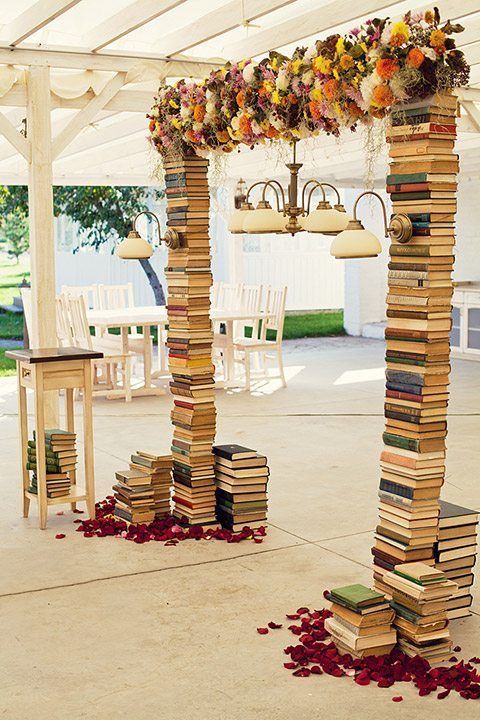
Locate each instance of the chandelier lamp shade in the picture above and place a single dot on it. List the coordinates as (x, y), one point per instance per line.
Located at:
(134, 247)
(357, 242)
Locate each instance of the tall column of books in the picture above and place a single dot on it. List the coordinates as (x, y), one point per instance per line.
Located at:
(422, 184)
(189, 341)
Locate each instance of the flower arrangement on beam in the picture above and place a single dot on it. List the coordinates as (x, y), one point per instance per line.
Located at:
(335, 84)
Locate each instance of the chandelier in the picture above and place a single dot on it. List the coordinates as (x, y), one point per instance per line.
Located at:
(290, 216)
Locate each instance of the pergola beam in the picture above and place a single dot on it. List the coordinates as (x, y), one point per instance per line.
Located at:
(14, 137)
(127, 20)
(123, 101)
(85, 116)
(216, 23)
(36, 17)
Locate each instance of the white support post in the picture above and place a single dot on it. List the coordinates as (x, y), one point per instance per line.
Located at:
(40, 203)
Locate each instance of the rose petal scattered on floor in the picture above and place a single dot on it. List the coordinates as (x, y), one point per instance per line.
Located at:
(60, 536)
(166, 530)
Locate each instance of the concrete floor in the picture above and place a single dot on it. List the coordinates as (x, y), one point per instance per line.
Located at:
(102, 628)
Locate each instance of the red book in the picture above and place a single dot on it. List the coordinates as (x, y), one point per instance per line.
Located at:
(403, 396)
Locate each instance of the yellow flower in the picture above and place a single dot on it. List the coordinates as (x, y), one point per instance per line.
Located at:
(274, 63)
(361, 67)
(276, 97)
(364, 47)
(346, 61)
(437, 38)
(268, 86)
(429, 17)
(340, 46)
(296, 65)
(336, 74)
(323, 65)
(316, 94)
(400, 31)
(173, 104)
(176, 122)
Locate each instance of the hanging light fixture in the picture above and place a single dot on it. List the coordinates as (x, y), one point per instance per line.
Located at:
(290, 216)
(357, 242)
(240, 194)
(134, 247)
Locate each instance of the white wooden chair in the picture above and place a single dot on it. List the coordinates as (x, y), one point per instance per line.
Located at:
(274, 309)
(114, 362)
(64, 329)
(227, 297)
(89, 293)
(26, 295)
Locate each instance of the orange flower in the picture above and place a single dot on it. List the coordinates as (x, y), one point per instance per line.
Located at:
(272, 132)
(429, 17)
(245, 126)
(190, 135)
(386, 68)
(223, 136)
(199, 113)
(330, 89)
(346, 61)
(415, 58)
(382, 96)
(354, 110)
(151, 126)
(437, 39)
(314, 108)
(240, 97)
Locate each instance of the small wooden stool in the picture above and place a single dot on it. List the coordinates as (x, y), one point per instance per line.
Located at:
(55, 369)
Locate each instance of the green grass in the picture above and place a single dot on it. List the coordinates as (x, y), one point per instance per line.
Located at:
(7, 366)
(314, 325)
(11, 326)
(11, 275)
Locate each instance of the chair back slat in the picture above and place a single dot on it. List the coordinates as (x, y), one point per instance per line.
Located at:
(88, 292)
(275, 308)
(78, 322)
(116, 297)
(26, 294)
(64, 330)
(229, 296)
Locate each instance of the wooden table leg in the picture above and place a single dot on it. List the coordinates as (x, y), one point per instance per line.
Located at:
(229, 354)
(40, 447)
(88, 439)
(23, 421)
(147, 356)
(70, 417)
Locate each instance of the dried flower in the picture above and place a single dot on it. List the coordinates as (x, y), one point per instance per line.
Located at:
(386, 68)
(437, 39)
(415, 58)
(382, 96)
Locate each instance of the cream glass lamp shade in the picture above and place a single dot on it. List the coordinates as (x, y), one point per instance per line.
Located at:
(355, 243)
(325, 221)
(264, 220)
(134, 247)
(235, 224)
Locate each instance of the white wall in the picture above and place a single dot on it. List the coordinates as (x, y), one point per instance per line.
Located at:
(467, 255)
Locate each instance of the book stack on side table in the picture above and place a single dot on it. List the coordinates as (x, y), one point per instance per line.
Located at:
(362, 621)
(422, 184)
(455, 554)
(189, 341)
(61, 459)
(419, 597)
(241, 477)
(133, 497)
(158, 468)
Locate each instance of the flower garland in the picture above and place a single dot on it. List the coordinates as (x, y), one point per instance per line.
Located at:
(337, 83)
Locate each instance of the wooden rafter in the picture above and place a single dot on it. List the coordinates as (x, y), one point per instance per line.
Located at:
(87, 114)
(36, 17)
(215, 23)
(127, 20)
(14, 137)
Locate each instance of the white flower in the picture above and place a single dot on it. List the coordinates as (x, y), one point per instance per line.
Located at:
(248, 71)
(386, 34)
(282, 81)
(397, 87)
(235, 122)
(197, 126)
(429, 52)
(311, 52)
(308, 77)
(210, 107)
(257, 130)
(367, 86)
(276, 122)
(185, 112)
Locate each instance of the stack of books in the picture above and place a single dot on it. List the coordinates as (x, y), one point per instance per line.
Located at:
(61, 461)
(241, 477)
(189, 341)
(419, 597)
(455, 554)
(362, 621)
(422, 184)
(133, 495)
(159, 469)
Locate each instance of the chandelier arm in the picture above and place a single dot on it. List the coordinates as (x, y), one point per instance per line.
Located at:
(372, 192)
(326, 184)
(149, 213)
(317, 184)
(256, 184)
(272, 184)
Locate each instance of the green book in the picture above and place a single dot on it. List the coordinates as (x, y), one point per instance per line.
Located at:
(357, 596)
(50, 468)
(416, 580)
(405, 613)
(52, 432)
(407, 178)
(401, 442)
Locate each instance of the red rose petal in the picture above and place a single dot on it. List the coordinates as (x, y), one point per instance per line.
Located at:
(262, 631)
(60, 536)
(274, 626)
(457, 648)
(397, 698)
(290, 665)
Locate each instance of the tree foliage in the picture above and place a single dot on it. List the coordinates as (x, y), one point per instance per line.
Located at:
(14, 231)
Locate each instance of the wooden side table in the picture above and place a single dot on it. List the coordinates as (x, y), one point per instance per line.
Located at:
(44, 370)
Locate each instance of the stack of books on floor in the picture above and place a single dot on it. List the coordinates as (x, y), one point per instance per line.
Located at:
(189, 341)
(158, 468)
(133, 495)
(422, 184)
(419, 597)
(241, 477)
(455, 554)
(61, 461)
(362, 621)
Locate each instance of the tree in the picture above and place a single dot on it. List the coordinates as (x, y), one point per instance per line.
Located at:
(14, 231)
(102, 213)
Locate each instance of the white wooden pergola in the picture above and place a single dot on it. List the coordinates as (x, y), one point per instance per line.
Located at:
(78, 76)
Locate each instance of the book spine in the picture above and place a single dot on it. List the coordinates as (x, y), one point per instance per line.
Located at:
(188, 309)
(417, 380)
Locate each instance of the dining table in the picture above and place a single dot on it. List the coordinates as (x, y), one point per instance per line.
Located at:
(149, 316)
